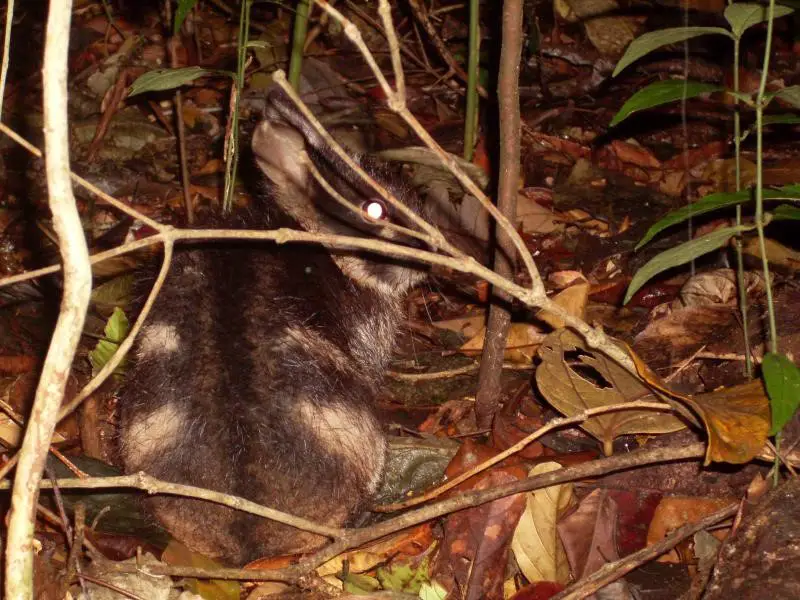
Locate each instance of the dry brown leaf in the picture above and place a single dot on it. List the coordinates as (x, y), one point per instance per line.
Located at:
(523, 340)
(467, 326)
(536, 545)
(777, 253)
(572, 299)
(717, 287)
(737, 419)
(674, 512)
(10, 432)
(574, 379)
(588, 533)
(532, 217)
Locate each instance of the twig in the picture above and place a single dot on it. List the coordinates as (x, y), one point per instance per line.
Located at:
(421, 63)
(352, 538)
(554, 424)
(612, 571)
(397, 104)
(151, 485)
(440, 242)
(126, 344)
(84, 183)
(320, 179)
(421, 16)
(490, 385)
(6, 51)
(413, 377)
(172, 45)
(111, 586)
(385, 11)
(75, 544)
(74, 303)
(594, 338)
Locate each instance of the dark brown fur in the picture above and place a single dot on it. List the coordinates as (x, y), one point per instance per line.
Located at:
(256, 370)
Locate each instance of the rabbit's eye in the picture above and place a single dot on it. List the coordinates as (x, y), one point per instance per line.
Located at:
(375, 209)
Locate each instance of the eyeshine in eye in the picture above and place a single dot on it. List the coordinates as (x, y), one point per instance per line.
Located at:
(375, 209)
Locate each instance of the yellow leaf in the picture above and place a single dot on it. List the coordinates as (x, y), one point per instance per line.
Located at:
(536, 544)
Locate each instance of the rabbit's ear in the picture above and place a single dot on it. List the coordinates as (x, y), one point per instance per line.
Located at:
(280, 153)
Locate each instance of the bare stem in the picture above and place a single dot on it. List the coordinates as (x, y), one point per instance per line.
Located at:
(75, 300)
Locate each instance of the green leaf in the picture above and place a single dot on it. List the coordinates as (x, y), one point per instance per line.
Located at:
(645, 44)
(791, 190)
(706, 204)
(181, 12)
(359, 584)
(432, 591)
(746, 98)
(790, 94)
(116, 330)
(404, 577)
(742, 16)
(781, 119)
(117, 326)
(662, 92)
(782, 378)
(114, 292)
(680, 255)
(713, 202)
(786, 212)
(167, 79)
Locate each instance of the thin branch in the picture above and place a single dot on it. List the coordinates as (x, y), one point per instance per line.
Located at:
(612, 571)
(465, 370)
(152, 485)
(279, 78)
(385, 11)
(74, 303)
(87, 185)
(421, 16)
(397, 103)
(320, 179)
(490, 386)
(126, 344)
(554, 424)
(352, 538)
(6, 51)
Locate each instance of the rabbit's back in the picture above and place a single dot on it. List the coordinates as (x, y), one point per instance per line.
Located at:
(256, 370)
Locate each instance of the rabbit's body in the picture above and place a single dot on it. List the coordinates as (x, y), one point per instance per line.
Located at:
(256, 369)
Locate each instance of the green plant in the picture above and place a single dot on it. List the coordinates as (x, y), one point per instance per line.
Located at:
(168, 79)
(782, 377)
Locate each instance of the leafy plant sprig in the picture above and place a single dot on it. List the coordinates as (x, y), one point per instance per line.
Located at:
(781, 375)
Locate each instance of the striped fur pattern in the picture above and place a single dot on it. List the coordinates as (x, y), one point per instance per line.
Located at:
(257, 368)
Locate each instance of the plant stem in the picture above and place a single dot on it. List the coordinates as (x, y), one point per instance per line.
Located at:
(232, 138)
(471, 122)
(737, 143)
(490, 378)
(298, 42)
(773, 332)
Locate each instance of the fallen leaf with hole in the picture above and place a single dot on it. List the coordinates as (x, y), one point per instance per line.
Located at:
(574, 379)
(536, 545)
